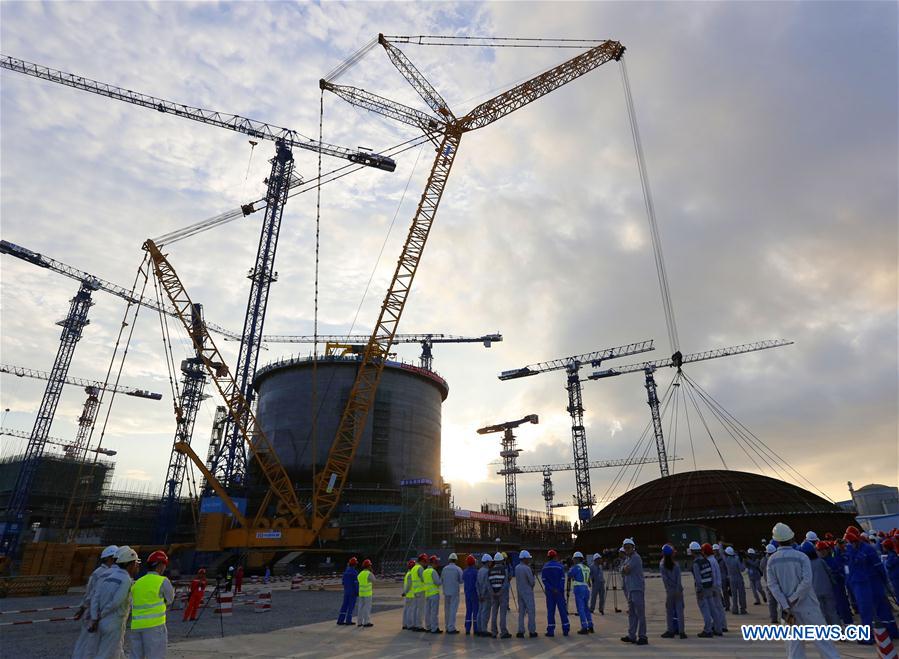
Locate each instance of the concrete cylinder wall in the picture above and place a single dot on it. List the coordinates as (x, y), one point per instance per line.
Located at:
(402, 434)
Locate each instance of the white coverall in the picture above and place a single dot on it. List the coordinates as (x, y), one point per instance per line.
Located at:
(789, 575)
(86, 645)
(111, 604)
(152, 643)
(524, 581)
(452, 582)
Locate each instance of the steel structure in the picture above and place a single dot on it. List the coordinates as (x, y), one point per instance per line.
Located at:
(22, 372)
(509, 454)
(676, 361)
(230, 463)
(445, 131)
(572, 367)
(85, 423)
(68, 447)
(193, 381)
(427, 341)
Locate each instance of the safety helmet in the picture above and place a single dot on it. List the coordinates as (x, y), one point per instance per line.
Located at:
(201, 571)
(423, 557)
(578, 554)
(822, 546)
(811, 536)
(596, 557)
(524, 553)
(808, 548)
(157, 557)
(366, 563)
(781, 532)
(126, 554)
(668, 550)
(434, 559)
(353, 561)
(853, 529)
(486, 558)
(694, 546)
(888, 544)
(411, 563)
(770, 549)
(729, 551)
(453, 557)
(231, 569)
(470, 560)
(750, 551)
(828, 536)
(628, 541)
(716, 546)
(109, 552)
(551, 553)
(498, 557)
(707, 549)
(851, 535)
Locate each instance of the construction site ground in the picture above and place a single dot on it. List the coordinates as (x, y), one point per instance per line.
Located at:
(302, 624)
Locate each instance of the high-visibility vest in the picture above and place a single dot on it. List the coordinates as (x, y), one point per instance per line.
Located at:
(418, 585)
(430, 587)
(586, 572)
(365, 585)
(147, 605)
(409, 583)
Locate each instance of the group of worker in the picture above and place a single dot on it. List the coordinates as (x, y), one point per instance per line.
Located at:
(358, 586)
(113, 595)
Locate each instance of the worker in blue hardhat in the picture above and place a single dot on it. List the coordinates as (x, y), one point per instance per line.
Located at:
(86, 645)
(553, 577)
(789, 575)
(524, 582)
(670, 572)
(579, 574)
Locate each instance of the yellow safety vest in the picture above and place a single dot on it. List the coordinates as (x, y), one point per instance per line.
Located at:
(409, 584)
(430, 587)
(147, 605)
(365, 585)
(418, 585)
(586, 572)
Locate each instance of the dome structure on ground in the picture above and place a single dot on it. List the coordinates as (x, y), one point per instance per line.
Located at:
(711, 505)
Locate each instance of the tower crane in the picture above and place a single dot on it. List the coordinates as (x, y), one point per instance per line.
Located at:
(230, 463)
(677, 360)
(69, 447)
(572, 367)
(509, 454)
(72, 326)
(359, 341)
(548, 469)
(445, 130)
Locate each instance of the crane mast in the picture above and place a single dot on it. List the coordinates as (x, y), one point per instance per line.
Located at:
(509, 454)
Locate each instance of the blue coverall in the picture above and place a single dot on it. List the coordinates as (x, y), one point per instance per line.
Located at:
(867, 579)
(350, 593)
(579, 574)
(892, 567)
(470, 583)
(837, 564)
(553, 577)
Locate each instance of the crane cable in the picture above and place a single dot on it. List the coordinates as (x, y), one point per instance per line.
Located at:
(650, 211)
(318, 215)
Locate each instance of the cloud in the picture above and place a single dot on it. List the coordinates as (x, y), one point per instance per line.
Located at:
(771, 149)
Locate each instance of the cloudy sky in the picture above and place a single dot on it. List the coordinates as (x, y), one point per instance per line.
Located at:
(770, 133)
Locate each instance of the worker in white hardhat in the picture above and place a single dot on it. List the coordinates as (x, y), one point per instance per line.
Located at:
(725, 582)
(111, 604)
(483, 584)
(753, 571)
(499, 597)
(763, 569)
(579, 577)
(706, 594)
(811, 536)
(734, 567)
(86, 645)
(525, 582)
(789, 574)
(634, 588)
(598, 590)
(452, 588)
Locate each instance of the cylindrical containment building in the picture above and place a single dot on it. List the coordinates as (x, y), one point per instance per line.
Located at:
(402, 434)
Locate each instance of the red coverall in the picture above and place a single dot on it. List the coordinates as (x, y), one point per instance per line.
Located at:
(197, 589)
(238, 579)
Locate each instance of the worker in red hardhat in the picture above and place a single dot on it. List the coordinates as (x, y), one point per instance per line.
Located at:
(704, 586)
(111, 604)
(718, 611)
(790, 581)
(470, 584)
(350, 583)
(553, 578)
(408, 596)
(151, 595)
(432, 582)
(86, 645)
(891, 563)
(868, 582)
(418, 587)
(451, 576)
(195, 599)
(366, 591)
